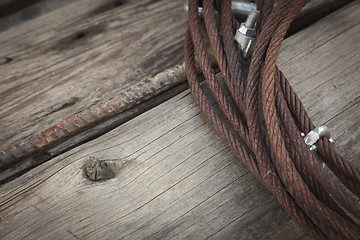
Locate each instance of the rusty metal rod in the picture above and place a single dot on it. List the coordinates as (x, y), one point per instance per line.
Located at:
(13, 156)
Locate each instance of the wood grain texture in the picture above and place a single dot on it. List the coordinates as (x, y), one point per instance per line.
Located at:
(59, 57)
(9, 6)
(35, 10)
(314, 11)
(174, 178)
(87, 51)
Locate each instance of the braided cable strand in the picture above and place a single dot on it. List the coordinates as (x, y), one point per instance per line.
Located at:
(272, 150)
(281, 193)
(348, 174)
(293, 180)
(239, 150)
(295, 149)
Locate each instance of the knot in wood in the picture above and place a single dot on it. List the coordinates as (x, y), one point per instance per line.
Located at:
(98, 170)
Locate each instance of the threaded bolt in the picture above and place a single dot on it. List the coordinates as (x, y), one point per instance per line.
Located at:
(251, 19)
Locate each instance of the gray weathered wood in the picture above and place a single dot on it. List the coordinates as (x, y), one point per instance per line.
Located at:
(9, 6)
(36, 9)
(174, 177)
(313, 11)
(87, 51)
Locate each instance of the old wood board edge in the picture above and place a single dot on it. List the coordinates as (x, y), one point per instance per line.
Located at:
(41, 146)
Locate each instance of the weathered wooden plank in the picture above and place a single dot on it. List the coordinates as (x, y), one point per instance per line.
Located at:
(9, 6)
(88, 50)
(174, 178)
(314, 11)
(36, 9)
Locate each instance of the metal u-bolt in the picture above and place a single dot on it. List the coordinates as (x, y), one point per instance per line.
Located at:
(314, 135)
(246, 35)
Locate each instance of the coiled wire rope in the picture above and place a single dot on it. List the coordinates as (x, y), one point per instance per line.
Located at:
(262, 118)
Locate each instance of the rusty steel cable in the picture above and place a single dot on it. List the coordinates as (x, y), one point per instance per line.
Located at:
(260, 117)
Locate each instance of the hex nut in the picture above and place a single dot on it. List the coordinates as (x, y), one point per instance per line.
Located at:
(250, 32)
(246, 44)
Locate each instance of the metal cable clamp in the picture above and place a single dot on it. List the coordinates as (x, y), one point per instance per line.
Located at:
(238, 8)
(245, 36)
(314, 135)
